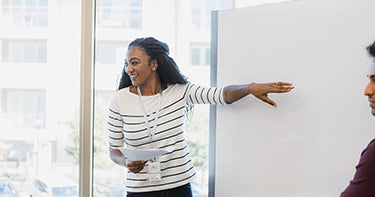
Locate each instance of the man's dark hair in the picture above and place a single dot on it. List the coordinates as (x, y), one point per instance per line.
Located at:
(371, 49)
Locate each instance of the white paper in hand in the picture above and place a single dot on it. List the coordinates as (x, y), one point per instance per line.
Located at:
(143, 154)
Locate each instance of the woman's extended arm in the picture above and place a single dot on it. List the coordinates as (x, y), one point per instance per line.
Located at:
(234, 93)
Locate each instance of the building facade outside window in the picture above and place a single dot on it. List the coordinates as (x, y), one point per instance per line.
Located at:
(119, 13)
(24, 108)
(39, 91)
(200, 55)
(24, 51)
(26, 13)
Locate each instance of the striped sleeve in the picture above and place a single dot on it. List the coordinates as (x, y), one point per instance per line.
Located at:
(115, 125)
(205, 95)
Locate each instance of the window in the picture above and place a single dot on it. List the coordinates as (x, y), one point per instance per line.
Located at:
(200, 55)
(39, 94)
(201, 11)
(114, 31)
(24, 108)
(39, 114)
(119, 13)
(26, 13)
(24, 51)
(109, 52)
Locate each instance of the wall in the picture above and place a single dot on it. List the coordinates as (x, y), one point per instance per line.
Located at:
(308, 145)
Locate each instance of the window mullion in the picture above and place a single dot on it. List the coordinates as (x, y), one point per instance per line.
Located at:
(86, 98)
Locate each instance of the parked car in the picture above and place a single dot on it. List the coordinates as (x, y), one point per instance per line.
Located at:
(54, 186)
(105, 191)
(7, 188)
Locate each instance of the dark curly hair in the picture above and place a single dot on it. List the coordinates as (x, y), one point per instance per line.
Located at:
(168, 70)
(371, 49)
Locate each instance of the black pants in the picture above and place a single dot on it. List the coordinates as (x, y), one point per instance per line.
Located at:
(182, 191)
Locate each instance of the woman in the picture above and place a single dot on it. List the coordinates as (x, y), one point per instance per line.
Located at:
(148, 111)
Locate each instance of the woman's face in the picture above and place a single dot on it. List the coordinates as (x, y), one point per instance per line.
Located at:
(139, 67)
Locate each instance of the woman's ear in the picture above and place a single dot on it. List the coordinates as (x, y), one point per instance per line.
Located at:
(154, 65)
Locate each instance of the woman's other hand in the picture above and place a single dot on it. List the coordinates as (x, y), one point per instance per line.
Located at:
(135, 166)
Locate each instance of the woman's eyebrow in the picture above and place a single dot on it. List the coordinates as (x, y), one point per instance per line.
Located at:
(134, 58)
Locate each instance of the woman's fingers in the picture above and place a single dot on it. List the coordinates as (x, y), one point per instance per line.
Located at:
(269, 101)
(276, 87)
(283, 86)
(136, 166)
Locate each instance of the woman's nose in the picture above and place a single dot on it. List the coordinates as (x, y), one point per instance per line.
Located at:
(129, 69)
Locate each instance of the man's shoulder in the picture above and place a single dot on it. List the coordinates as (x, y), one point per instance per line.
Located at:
(369, 151)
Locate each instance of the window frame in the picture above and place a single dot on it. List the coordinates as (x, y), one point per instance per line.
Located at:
(86, 98)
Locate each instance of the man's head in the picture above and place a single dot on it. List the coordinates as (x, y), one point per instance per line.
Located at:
(370, 88)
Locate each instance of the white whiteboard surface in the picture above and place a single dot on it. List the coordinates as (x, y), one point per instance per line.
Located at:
(310, 144)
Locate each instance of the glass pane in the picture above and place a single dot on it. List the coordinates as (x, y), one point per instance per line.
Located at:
(110, 178)
(207, 56)
(39, 97)
(117, 25)
(118, 13)
(195, 56)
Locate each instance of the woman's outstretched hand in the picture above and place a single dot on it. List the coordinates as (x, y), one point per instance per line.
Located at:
(261, 90)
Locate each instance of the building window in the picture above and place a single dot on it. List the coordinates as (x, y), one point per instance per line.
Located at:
(119, 13)
(26, 13)
(200, 55)
(109, 52)
(24, 108)
(197, 13)
(207, 56)
(201, 11)
(24, 51)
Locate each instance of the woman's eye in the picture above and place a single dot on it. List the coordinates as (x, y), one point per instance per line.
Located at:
(134, 63)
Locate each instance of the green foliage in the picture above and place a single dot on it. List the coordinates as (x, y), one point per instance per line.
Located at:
(197, 136)
(73, 149)
(100, 146)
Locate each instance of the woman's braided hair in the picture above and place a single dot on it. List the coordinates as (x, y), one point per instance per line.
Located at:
(168, 70)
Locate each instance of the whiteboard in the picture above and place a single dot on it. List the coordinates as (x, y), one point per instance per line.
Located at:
(309, 145)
